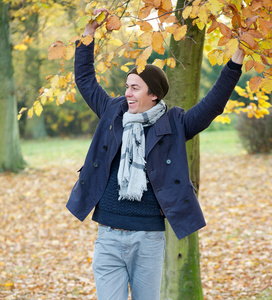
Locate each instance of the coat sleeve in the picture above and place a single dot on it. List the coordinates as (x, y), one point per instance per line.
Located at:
(95, 96)
(200, 116)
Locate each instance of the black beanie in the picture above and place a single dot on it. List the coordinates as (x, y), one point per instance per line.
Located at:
(155, 78)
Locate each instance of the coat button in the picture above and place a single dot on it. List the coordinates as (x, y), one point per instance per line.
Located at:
(95, 164)
(105, 147)
(168, 161)
(160, 142)
(82, 181)
(110, 128)
(177, 181)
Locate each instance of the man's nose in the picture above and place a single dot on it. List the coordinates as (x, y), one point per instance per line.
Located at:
(128, 92)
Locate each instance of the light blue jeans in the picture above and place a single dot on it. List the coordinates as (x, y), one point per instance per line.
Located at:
(124, 257)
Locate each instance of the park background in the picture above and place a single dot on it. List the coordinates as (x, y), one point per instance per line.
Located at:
(46, 253)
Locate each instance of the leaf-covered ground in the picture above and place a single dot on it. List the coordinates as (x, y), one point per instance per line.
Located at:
(46, 253)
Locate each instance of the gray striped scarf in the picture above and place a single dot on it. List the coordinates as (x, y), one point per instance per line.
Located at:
(131, 174)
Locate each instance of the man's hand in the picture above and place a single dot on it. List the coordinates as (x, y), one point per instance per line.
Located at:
(91, 27)
(238, 56)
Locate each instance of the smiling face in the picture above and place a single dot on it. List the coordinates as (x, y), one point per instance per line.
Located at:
(138, 98)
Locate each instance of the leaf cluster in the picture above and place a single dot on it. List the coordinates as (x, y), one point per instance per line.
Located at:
(144, 28)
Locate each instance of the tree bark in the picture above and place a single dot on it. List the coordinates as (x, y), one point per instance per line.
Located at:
(181, 274)
(10, 151)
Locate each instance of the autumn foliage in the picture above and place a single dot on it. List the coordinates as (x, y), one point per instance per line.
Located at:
(229, 23)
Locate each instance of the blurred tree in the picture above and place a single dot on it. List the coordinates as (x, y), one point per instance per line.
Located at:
(35, 126)
(10, 151)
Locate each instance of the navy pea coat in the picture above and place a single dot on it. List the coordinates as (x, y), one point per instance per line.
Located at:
(166, 167)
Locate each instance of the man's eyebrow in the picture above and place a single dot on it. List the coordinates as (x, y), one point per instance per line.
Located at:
(133, 84)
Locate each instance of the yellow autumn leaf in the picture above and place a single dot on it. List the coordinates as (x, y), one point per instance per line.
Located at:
(231, 47)
(166, 5)
(21, 47)
(171, 62)
(145, 39)
(171, 19)
(115, 42)
(194, 11)
(214, 6)
(199, 24)
(105, 79)
(61, 98)
(30, 113)
(255, 82)
(121, 52)
(203, 14)
(101, 67)
(69, 52)
(110, 56)
(43, 99)
(263, 103)
(144, 12)
(171, 29)
(141, 61)
(113, 23)
(180, 32)
(49, 93)
(22, 110)
(101, 17)
(159, 63)
(86, 40)
(186, 12)
(134, 54)
(157, 42)
(55, 92)
(55, 81)
(90, 7)
(241, 92)
(62, 82)
(37, 108)
(71, 97)
(124, 68)
(144, 25)
(222, 119)
(56, 50)
(213, 56)
(69, 76)
(267, 84)
(9, 284)
(83, 21)
(157, 3)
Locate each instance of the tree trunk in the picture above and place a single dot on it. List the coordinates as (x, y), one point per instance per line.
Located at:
(10, 151)
(181, 274)
(35, 127)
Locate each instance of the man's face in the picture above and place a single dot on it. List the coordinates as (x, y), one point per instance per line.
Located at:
(137, 95)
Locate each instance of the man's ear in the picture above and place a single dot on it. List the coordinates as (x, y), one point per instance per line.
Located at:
(154, 97)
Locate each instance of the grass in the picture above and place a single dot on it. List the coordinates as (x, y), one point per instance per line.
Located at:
(55, 151)
(220, 142)
(52, 151)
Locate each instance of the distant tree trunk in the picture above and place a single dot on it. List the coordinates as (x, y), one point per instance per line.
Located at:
(10, 151)
(181, 275)
(35, 127)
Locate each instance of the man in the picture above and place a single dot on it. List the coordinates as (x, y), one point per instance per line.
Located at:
(136, 173)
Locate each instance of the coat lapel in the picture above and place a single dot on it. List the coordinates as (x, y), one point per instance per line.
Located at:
(118, 125)
(156, 132)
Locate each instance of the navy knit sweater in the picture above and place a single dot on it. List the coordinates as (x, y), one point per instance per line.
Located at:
(125, 214)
